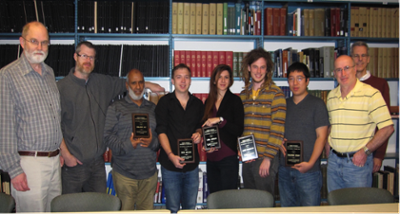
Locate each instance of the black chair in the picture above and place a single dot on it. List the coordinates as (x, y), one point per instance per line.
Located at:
(85, 202)
(7, 203)
(243, 198)
(359, 195)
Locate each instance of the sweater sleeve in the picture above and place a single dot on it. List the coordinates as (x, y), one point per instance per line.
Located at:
(277, 130)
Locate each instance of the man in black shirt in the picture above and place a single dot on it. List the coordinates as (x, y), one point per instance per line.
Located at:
(178, 116)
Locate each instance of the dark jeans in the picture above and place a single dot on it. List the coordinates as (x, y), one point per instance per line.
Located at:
(89, 177)
(223, 174)
(252, 178)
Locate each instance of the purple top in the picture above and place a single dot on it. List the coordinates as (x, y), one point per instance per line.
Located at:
(224, 151)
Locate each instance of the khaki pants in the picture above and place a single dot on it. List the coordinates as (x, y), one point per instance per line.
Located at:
(44, 180)
(131, 191)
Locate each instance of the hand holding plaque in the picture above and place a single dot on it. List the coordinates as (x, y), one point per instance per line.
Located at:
(247, 147)
(294, 152)
(186, 150)
(140, 125)
(211, 137)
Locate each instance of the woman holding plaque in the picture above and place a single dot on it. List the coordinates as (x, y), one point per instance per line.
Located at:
(225, 110)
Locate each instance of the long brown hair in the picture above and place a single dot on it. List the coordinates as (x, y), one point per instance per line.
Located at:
(249, 59)
(213, 95)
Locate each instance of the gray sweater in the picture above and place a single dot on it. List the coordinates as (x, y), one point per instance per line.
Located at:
(139, 163)
(83, 112)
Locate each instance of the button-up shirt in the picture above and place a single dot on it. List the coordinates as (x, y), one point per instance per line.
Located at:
(30, 113)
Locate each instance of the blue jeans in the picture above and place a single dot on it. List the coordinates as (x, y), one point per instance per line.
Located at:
(180, 188)
(342, 173)
(299, 189)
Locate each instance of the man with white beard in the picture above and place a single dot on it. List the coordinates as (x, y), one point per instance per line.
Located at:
(134, 157)
(85, 97)
(30, 134)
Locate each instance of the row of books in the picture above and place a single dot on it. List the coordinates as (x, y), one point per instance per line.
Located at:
(152, 60)
(305, 22)
(374, 22)
(319, 60)
(123, 17)
(387, 179)
(57, 16)
(323, 95)
(384, 62)
(5, 182)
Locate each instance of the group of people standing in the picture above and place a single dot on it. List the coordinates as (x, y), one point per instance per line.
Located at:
(41, 119)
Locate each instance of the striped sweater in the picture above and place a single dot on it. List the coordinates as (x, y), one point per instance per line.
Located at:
(264, 117)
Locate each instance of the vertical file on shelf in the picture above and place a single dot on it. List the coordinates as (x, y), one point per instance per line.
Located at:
(212, 18)
(205, 19)
(174, 17)
(199, 17)
(220, 18)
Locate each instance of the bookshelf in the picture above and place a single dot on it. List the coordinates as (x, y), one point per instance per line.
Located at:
(236, 43)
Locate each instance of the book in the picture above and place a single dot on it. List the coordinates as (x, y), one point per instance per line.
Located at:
(212, 18)
(225, 18)
(180, 18)
(220, 18)
(199, 18)
(205, 19)
(186, 18)
(192, 25)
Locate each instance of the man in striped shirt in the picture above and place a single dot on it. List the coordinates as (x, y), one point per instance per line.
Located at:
(355, 110)
(265, 112)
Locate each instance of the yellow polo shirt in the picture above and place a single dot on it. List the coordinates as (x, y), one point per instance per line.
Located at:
(354, 118)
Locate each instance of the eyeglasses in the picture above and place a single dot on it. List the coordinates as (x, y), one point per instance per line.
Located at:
(356, 56)
(299, 79)
(84, 56)
(36, 42)
(346, 69)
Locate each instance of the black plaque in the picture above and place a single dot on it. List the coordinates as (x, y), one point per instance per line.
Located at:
(248, 149)
(294, 152)
(186, 150)
(211, 137)
(140, 125)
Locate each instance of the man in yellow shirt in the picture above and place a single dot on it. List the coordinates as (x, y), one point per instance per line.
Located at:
(355, 110)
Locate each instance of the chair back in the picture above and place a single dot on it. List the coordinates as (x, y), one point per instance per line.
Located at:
(7, 203)
(243, 198)
(85, 202)
(359, 195)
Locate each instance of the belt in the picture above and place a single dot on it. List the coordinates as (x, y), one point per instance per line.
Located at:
(41, 154)
(343, 155)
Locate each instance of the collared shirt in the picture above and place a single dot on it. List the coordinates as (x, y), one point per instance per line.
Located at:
(135, 163)
(264, 117)
(366, 76)
(30, 113)
(178, 123)
(354, 117)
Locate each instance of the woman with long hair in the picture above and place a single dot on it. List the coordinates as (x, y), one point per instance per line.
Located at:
(224, 109)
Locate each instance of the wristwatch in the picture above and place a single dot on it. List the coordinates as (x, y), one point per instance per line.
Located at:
(221, 119)
(366, 150)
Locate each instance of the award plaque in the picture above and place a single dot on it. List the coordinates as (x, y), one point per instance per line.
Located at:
(211, 137)
(294, 152)
(247, 147)
(186, 150)
(140, 125)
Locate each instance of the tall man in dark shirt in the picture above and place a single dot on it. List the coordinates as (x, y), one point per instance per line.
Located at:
(179, 117)
(360, 54)
(85, 97)
(134, 158)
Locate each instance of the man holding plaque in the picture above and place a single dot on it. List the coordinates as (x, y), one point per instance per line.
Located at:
(265, 112)
(179, 128)
(85, 97)
(134, 153)
(355, 110)
(306, 128)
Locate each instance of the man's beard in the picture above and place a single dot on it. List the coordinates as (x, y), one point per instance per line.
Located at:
(133, 95)
(36, 59)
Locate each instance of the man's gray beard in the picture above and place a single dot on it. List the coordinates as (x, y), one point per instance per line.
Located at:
(133, 95)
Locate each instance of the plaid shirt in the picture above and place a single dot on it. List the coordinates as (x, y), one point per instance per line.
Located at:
(30, 113)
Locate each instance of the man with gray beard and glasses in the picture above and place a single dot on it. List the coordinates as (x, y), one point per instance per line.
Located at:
(30, 134)
(134, 157)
